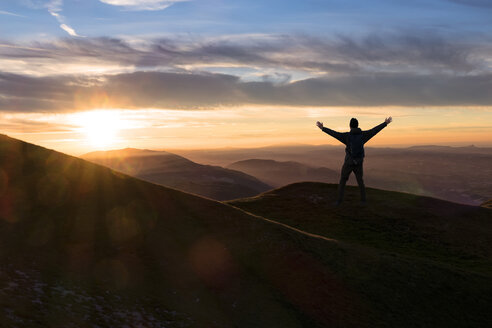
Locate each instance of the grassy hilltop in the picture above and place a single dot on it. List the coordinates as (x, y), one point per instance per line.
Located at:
(404, 224)
(84, 246)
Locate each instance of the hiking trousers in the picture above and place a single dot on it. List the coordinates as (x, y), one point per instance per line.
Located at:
(347, 168)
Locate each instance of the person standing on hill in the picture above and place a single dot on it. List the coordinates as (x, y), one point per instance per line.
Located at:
(354, 153)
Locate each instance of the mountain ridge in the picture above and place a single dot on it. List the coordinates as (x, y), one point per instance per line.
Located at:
(178, 172)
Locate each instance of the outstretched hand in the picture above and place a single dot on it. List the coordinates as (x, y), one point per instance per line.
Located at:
(388, 120)
(319, 124)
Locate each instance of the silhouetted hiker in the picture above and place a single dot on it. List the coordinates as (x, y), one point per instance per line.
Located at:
(354, 152)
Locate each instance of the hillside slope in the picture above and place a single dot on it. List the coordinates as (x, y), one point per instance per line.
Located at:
(279, 174)
(178, 172)
(81, 245)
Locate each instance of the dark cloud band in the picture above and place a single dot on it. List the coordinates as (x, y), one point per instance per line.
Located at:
(191, 91)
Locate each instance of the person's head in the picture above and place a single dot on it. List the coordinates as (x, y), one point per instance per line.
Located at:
(354, 123)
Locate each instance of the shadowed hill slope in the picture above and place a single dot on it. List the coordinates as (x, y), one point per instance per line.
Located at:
(178, 172)
(279, 174)
(81, 245)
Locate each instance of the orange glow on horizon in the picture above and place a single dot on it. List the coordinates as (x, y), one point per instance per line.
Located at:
(244, 127)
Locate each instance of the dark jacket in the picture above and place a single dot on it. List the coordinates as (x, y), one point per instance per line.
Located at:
(343, 136)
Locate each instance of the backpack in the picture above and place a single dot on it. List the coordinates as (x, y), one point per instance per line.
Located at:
(356, 147)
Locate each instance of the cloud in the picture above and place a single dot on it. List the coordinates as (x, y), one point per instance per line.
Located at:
(54, 8)
(2, 12)
(25, 125)
(142, 4)
(68, 29)
(282, 70)
(204, 91)
(404, 53)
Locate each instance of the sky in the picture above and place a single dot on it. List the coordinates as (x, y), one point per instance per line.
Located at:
(83, 75)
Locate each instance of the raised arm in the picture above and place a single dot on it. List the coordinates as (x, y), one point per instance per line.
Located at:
(372, 132)
(337, 135)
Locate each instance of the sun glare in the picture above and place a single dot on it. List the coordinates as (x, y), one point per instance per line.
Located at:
(100, 127)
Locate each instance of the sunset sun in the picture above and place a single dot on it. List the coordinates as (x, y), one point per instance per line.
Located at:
(100, 127)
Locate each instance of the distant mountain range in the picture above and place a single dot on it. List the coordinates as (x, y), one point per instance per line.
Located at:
(309, 154)
(178, 172)
(279, 174)
(82, 245)
(458, 174)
